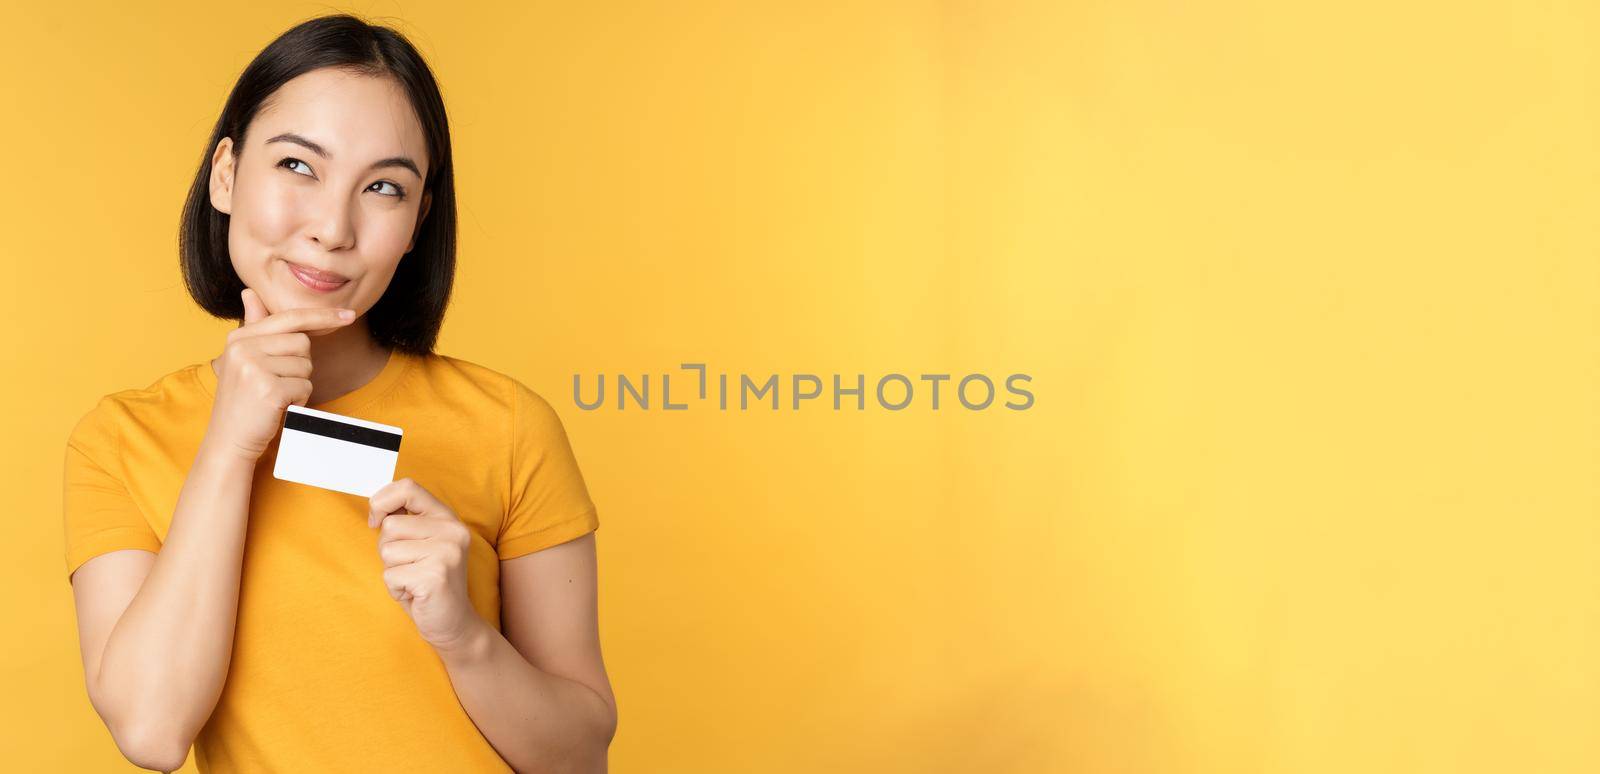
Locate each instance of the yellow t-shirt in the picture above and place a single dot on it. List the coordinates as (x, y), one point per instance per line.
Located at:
(328, 672)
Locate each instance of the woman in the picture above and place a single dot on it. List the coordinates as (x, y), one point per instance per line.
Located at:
(446, 623)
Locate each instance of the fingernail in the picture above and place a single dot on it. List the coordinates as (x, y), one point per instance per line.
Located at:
(347, 314)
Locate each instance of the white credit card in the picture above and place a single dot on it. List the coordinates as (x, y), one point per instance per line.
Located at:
(336, 452)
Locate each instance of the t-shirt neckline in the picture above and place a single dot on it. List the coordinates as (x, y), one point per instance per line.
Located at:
(361, 396)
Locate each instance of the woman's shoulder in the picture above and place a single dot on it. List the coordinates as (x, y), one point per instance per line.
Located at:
(498, 405)
(175, 393)
(493, 383)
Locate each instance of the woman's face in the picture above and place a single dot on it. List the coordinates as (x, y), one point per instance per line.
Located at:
(327, 194)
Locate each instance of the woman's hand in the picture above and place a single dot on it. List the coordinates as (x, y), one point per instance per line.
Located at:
(424, 550)
(265, 367)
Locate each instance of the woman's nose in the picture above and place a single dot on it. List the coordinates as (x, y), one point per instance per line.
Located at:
(331, 223)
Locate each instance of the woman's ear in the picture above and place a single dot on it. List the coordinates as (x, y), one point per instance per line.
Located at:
(222, 172)
(422, 212)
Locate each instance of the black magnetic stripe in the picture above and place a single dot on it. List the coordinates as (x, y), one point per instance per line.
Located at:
(366, 436)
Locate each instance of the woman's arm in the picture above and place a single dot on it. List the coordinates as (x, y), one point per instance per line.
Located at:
(539, 693)
(157, 633)
(156, 630)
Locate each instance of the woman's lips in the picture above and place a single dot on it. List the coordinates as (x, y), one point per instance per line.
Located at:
(320, 281)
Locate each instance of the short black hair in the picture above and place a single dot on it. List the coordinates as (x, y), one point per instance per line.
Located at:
(411, 311)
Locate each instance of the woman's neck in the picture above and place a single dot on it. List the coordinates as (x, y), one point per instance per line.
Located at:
(344, 360)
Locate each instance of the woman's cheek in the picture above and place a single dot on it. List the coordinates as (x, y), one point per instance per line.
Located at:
(395, 232)
(263, 219)
(275, 216)
(386, 242)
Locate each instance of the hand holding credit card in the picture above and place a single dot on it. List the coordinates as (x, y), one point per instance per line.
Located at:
(264, 366)
(333, 451)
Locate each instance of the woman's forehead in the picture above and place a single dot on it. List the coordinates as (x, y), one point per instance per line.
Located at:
(353, 117)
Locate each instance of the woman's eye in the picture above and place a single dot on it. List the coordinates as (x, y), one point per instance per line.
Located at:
(289, 162)
(399, 193)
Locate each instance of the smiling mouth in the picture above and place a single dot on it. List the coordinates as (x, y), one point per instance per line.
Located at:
(316, 279)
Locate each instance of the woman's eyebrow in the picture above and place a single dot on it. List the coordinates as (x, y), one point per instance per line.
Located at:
(392, 161)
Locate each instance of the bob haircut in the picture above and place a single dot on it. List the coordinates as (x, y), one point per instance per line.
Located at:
(409, 314)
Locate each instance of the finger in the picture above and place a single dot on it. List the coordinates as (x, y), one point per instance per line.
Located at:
(410, 581)
(290, 365)
(404, 493)
(403, 526)
(298, 390)
(399, 580)
(326, 331)
(254, 309)
(320, 319)
(296, 344)
(398, 552)
(321, 331)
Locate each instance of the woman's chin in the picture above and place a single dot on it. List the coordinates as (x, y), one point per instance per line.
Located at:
(301, 298)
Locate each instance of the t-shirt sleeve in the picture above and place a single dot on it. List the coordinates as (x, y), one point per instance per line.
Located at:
(549, 502)
(99, 514)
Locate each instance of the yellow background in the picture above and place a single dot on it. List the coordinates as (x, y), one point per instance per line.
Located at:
(1308, 293)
